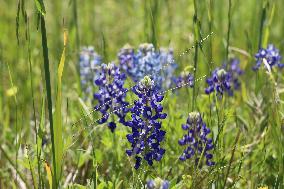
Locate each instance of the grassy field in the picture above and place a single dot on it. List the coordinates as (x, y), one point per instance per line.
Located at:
(49, 131)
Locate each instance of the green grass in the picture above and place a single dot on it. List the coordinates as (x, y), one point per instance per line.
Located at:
(39, 103)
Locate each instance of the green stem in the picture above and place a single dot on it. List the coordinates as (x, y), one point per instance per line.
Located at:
(33, 102)
(146, 21)
(154, 15)
(210, 31)
(31, 169)
(76, 24)
(232, 158)
(228, 32)
(263, 16)
(196, 36)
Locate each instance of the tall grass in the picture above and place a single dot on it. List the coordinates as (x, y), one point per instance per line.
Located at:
(76, 24)
(210, 23)
(196, 39)
(262, 20)
(229, 30)
(49, 98)
(153, 11)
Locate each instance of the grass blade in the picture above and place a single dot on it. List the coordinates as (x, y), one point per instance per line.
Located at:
(40, 6)
(49, 175)
(154, 15)
(262, 20)
(196, 38)
(229, 30)
(267, 29)
(58, 116)
(48, 93)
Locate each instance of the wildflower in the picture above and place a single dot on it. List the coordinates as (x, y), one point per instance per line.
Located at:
(158, 183)
(220, 81)
(148, 63)
(111, 95)
(185, 78)
(168, 66)
(127, 59)
(271, 55)
(225, 79)
(89, 63)
(146, 133)
(235, 67)
(235, 71)
(196, 140)
(159, 65)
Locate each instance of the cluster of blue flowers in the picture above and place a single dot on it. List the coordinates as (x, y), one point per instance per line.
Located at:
(111, 95)
(159, 65)
(220, 81)
(235, 71)
(146, 129)
(153, 70)
(158, 183)
(89, 63)
(127, 60)
(196, 140)
(185, 78)
(147, 111)
(168, 66)
(271, 55)
(225, 79)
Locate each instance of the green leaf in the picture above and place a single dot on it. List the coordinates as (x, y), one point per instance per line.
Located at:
(268, 25)
(40, 6)
(110, 184)
(48, 173)
(17, 21)
(102, 185)
(118, 185)
(41, 126)
(58, 140)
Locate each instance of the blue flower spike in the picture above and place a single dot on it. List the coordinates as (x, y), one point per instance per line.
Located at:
(89, 63)
(220, 82)
(235, 71)
(185, 78)
(145, 124)
(111, 95)
(158, 183)
(127, 59)
(198, 144)
(269, 56)
(158, 64)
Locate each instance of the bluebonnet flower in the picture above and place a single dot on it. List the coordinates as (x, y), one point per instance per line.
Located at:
(111, 95)
(89, 63)
(159, 65)
(168, 66)
(127, 59)
(220, 81)
(235, 71)
(196, 140)
(271, 55)
(148, 63)
(158, 183)
(185, 78)
(146, 133)
(225, 79)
